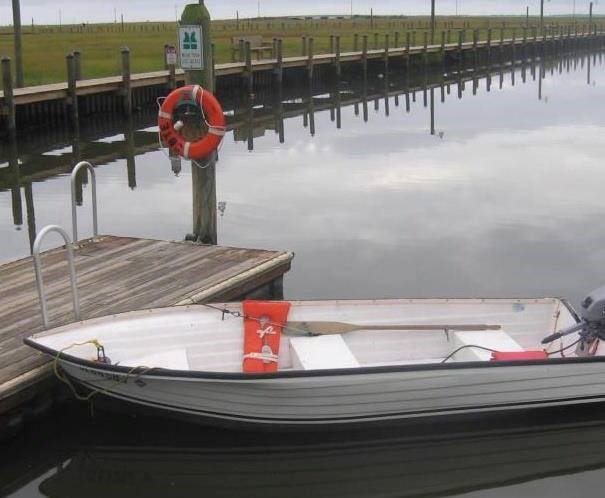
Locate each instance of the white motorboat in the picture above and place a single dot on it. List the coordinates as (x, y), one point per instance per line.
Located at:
(339, 363)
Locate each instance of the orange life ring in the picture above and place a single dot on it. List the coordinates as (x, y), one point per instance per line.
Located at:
(213, 114)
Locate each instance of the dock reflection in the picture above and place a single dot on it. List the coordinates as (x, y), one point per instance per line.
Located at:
(104, 138)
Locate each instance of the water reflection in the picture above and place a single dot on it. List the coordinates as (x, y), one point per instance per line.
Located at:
(253, 120)
(149, 457)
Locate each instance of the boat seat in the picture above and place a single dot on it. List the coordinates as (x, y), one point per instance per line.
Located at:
(492, 339)
(321, 352)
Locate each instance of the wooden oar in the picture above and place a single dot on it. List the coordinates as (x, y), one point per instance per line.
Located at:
(327, 328)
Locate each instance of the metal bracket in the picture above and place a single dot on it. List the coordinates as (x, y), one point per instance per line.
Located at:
(38, 271)
(74, 216)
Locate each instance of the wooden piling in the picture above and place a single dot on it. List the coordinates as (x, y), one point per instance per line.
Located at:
(386, 53)
(337, 56)
(9, 99)
(364, 56)
(242, 50)
(310, 51)
(72, 97)
(78, 64)
(355, 42)
(249, 75)
(304, 46)
(425, 53)
(279, 64)
(126, 87)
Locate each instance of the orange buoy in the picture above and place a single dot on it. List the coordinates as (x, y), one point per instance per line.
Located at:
(170, 130)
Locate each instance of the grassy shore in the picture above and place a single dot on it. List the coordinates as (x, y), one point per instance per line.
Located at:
(45, 47)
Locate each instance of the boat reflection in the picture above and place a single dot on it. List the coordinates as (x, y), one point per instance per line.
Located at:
(430, 464)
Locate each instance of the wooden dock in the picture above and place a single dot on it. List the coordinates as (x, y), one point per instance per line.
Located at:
(118, 274)
(114, 84)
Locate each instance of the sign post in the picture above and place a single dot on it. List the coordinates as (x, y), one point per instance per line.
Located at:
(195, 50)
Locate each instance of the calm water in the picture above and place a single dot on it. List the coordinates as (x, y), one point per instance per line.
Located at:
(501, 196)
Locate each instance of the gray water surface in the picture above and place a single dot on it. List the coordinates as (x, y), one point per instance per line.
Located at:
(502, 197)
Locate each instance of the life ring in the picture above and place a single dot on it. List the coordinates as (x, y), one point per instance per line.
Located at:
(170, 131)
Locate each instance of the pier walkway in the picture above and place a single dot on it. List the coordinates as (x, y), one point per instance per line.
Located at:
(60, 91)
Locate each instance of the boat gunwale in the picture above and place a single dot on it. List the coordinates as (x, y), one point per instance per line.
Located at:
(164, 373)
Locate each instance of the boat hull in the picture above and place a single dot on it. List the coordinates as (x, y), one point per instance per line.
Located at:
(341, 399)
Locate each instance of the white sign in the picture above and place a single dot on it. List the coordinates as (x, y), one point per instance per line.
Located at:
(190, 47)
(171, 58)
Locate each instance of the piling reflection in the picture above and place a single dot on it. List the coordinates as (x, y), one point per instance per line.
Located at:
(99, 140)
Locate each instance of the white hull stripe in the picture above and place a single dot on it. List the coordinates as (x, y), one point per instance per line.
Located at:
(217, 130)
(166, 115)
(186, 150)
(195, 91)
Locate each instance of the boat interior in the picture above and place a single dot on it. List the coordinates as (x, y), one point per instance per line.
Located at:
(199, 338)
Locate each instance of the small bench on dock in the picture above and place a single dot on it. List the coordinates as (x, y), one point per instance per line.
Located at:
(115, 275)
(258, 47)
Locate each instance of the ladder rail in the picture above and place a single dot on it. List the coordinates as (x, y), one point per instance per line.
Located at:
(38, 271)
(74, 215)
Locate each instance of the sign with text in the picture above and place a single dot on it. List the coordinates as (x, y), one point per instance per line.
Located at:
(171, 57)
(191, 47)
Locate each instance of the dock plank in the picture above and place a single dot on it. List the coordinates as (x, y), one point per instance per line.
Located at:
(115, 275)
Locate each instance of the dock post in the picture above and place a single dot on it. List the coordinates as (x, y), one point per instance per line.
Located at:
(241, 50)
(9, 99)
(78, 64)
(475, 41)
(524, 43)
(396, 39)
(386, 53)
(443, 48)
(489, 45)
(126, 90)
(460, 56)
(407, 51)
(331, 51)
(17, 43)
(72, 96)
(364, 56)
(425, 53)
(279, 65)
(375, 41)
(310, 58)
(355, 42)
(203, 178)
(514, 45)
(337, 57)
(249, 74)
(304, 46)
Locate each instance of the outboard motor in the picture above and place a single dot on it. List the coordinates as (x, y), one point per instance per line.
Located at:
(592, 323)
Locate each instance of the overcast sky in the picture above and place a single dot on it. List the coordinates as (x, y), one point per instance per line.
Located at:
(74, 11)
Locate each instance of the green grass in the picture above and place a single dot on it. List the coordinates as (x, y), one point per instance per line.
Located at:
(45, 47)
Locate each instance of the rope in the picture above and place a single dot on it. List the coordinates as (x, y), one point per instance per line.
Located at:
(238, 314)
(63, 378)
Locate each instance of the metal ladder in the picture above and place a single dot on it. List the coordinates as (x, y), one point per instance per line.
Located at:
(68, 244)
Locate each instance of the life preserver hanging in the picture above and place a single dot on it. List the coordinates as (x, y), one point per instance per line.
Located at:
(212, 112)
